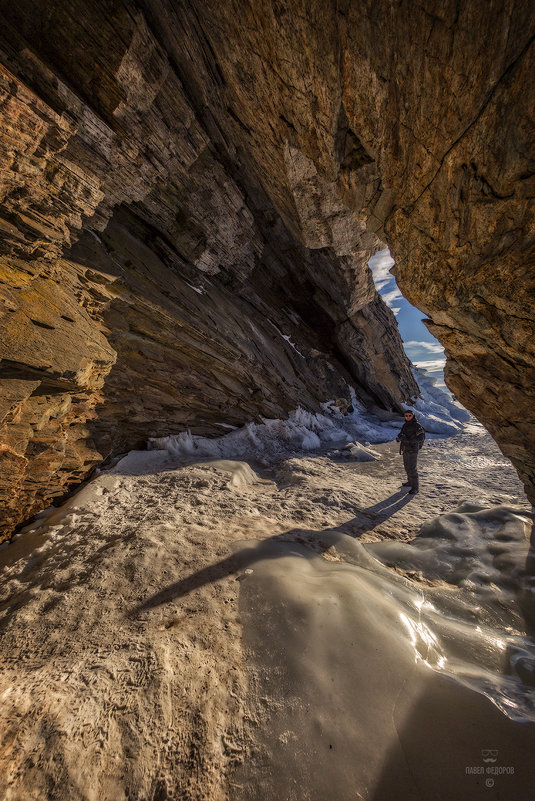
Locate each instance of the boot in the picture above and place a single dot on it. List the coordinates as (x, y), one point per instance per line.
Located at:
(406, 484)
(413, 491)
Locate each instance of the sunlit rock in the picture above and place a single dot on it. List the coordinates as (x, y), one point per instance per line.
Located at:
(190, 195)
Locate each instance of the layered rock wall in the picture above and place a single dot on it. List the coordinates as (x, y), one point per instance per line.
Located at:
(190, 194)
(418, 117)
(149, 283)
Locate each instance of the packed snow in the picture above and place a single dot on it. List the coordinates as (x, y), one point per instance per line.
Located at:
(269, 615)
(403, 658)
(436, 409)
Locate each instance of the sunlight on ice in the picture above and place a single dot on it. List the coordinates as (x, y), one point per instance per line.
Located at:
(424, 642)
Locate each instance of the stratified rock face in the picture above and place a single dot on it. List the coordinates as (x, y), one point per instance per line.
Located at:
(191, 192)
(149, 282)
(420, 117)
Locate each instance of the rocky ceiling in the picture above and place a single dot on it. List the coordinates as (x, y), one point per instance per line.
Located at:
(191, 192)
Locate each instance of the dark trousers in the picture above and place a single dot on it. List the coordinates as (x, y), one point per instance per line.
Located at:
(410, 461)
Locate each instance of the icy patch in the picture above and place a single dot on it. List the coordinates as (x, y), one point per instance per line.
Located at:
(287, 338)
(490, 541)
(453, 601)
(198, 289)
(306, 431)
(301, 431)
(472, 628)
(242, 475)
(141, 462)
(359, 453)
(382, 643)
(436, 410)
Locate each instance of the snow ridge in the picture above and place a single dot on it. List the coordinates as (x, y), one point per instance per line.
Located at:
(302, 430)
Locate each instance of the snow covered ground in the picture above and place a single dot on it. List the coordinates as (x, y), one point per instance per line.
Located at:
(269, 616)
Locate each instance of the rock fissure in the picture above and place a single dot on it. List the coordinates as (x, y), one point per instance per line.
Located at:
(490, 96)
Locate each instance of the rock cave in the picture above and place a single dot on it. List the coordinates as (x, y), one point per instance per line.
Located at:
(191, 191)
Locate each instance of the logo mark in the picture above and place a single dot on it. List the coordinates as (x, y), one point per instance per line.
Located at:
(489, 754)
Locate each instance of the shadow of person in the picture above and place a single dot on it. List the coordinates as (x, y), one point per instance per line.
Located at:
(389, 506)
(308, 542)
(233, 564)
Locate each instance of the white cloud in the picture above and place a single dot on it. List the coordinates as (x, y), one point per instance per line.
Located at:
(396, 311)
(430, 347)
(380, 265)
(391, 297)
(432, 366)
(381, 284)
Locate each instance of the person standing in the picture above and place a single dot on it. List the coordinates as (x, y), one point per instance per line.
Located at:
(411, 438)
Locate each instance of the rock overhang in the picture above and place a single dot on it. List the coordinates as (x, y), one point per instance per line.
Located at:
(190, 197)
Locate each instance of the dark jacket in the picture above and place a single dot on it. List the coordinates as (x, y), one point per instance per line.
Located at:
(411, 436)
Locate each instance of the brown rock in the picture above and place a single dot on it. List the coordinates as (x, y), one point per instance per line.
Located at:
(186, 186)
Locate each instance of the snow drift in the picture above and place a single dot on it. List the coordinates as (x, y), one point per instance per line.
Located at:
(306, 431)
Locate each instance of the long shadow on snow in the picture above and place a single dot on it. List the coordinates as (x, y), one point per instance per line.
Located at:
(366, 520)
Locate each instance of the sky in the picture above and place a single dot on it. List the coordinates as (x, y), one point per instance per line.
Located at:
(420, 346)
